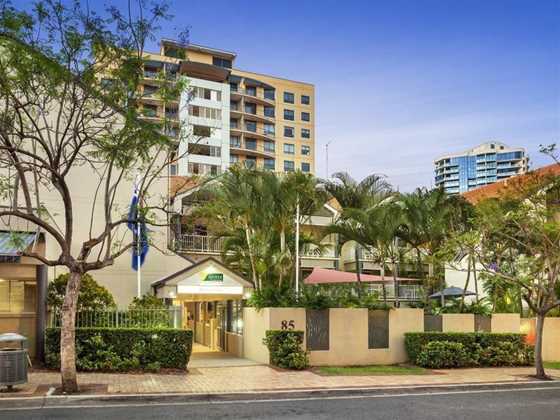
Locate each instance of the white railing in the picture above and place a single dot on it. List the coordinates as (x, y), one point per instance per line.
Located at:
(199, 243)
(115, 318)
(406, 291)
(315, 252)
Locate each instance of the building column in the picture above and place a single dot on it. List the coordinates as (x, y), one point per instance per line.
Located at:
(41, 311)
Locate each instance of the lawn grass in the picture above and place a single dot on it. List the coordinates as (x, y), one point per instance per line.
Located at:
(552, 365)
(371, 370)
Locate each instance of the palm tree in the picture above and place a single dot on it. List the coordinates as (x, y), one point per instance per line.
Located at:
(352, 195)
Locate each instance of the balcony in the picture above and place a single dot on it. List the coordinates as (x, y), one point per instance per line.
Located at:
(203, 244)
(313, 256)
(408, 292)
(238, 93)
(252, 149)
(260, 133)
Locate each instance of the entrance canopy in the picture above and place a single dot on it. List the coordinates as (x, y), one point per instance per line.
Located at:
(327, 276)
(208, 279)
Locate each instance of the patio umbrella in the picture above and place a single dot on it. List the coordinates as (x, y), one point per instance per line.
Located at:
(450, 292)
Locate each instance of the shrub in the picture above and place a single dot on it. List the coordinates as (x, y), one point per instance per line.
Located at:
(482, 349)
(285, 349)
(443, 354)
(92, 296)
(123, 349)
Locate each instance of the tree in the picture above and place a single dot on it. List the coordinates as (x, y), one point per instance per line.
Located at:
(519, 244)
(69, 89)
(352, 195)
(91, 297)
(254, 213)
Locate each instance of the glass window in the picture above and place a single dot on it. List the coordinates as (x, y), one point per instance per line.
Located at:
(269, 129)
(305, 150)
(288, 97)
(235, 141)
(269, 111)
(234, 123)
(305, 116)
(233, 159)
(269, 164)
(269, 94)
(250, 108)
(289, 114)
(251, 126)
(233, 86)
(17, 296)
(251, 144)
(269, 146)
(288, 131)
(221, 62)
(201, 131)
(251, 90)
(289, 166)
(305, 100)
(250, 162)
(305, 133)
(289, 148)
(305, 167)
(204, 150)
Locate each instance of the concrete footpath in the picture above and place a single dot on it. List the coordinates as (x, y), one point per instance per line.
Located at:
(261, 378)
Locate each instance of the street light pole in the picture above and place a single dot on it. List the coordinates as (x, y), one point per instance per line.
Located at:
(327, 157)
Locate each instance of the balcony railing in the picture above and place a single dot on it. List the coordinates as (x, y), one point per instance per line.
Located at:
(315, 252)
(406, 291)
(199, 243)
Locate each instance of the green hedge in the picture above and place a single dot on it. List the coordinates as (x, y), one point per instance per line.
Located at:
(122, 349)
(468, 349)
(285, 348)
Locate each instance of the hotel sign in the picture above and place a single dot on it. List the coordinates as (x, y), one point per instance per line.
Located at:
(214, 277)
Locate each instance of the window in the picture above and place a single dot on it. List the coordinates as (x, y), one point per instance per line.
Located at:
(269, 146)
(235, 141)
(269, 111)
(150, 90)
(234, 106)
(305, 167)
(202, 131)
(269, 129)
(289, 148)
(289, 166)
(305, 150)
(208, 94)
(288, 131)
(235, 317)
(221, 62)
(149, 110)
(251, 144)
(269, 164)
(17, 296)
(289, 114)
(251, 108)
(305, 100)
(233, 159)
(269, 94)
(205, 112)
(233, 86)
(288, 97)
(305, 133)
(305, 116)
(251, 90)
(234, 123)
(251, 126)
(203, 169)
(205, 150)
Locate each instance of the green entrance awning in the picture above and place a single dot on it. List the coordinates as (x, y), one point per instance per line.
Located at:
(14, 243)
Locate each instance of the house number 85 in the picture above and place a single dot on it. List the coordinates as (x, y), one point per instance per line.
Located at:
(288, 325)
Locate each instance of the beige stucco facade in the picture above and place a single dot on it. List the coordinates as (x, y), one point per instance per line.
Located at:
(551, 336)
(457, 323)
(506, 323)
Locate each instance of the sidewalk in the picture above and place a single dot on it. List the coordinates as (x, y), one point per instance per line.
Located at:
(260, 378)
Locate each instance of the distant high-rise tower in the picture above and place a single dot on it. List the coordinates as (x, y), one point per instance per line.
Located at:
(482, 165)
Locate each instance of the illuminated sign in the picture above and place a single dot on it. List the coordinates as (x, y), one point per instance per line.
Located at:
(214, 277)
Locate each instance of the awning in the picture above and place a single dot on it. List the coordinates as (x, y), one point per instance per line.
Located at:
(326, 276)
(14, 243)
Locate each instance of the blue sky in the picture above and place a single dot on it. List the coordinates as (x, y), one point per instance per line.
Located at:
(400, 82)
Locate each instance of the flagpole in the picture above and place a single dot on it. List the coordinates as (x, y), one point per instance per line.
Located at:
(138, 266)
(297, 246)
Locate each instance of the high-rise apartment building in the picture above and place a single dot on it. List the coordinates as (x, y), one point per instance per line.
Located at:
(228, 116)
(482, 165)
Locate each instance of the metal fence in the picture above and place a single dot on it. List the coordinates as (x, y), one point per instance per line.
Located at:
(134, 318)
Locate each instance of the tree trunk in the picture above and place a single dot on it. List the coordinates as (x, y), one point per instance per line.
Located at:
(256, 283)
(282, 250)
(466, 285)
(383, 284)
(539, 366)
(68, 334)
(396, 285)
(475, 280)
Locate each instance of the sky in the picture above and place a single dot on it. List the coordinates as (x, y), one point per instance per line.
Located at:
(399, 83)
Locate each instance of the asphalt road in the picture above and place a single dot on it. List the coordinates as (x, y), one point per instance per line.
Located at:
(534, 403)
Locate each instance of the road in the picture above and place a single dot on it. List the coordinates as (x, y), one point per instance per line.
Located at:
(538, 402)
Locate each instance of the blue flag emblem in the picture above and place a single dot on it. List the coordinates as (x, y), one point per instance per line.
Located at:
(137, 225)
